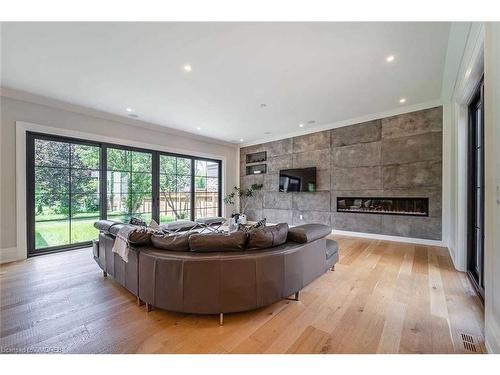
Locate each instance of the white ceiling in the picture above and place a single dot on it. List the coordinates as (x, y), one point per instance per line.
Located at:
(327, 72)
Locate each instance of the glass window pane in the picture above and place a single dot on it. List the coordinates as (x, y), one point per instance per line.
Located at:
(183, 166)
(140, 203)
(168, 182)
(167, 217)
(84, 181)
(51, 233)
(82, 229)
(51, 180)
(201, 168)
(183, 183)
(141, 161)
(118, 160)
(200, 183)
(85, 156)
(168, 165)
(212, 169)
(118, 205)
(212, 184)
(118, 182)
(51, 207)
(141, 182)
(51, 153)
(84, 205)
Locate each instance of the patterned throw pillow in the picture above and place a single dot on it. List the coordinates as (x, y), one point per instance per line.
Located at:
(248, 228)
(137, 221)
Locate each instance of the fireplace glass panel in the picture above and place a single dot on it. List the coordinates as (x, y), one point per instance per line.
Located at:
(388, 206)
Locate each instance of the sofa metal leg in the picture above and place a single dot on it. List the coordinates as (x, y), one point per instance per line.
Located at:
(139, 302)
(104, 273)
(221, 319)
(149, 307)
(296, 297)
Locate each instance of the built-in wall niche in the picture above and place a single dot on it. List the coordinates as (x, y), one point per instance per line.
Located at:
(256, 169)
(384, 206)
(257, 157)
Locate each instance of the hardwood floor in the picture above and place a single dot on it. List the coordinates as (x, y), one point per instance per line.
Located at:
(383, 297)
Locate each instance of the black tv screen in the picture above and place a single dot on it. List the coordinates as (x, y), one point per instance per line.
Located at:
(303, 179)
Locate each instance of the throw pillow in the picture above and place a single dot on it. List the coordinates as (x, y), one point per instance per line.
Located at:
(263, 238)
(206, 243)
(137, 221)
(178, 242)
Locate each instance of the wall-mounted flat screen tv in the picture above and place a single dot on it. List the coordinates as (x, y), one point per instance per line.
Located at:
(303, 179)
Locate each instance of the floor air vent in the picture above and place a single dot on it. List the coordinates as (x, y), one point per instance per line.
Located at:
(470, 344)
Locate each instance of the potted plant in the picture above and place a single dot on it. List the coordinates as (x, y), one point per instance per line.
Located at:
(246, 194)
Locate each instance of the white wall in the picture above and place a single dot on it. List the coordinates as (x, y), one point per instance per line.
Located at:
(481, 52)
(492, 186)
(69, 119)
(466, 40)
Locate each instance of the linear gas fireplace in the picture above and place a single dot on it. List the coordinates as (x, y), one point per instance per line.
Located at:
(384, 206)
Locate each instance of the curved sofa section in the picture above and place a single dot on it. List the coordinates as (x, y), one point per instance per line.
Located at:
(227, 282)
(216, 282)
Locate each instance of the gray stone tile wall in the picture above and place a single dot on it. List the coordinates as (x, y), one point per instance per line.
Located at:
(398, 156)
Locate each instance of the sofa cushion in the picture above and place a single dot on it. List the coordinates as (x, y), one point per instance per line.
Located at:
(105, 225)
(308, 232)
(179, 242)
(332, 248)
(215, 242)
(140, 236)
(178, 226)
(263, 238)
(116, 228)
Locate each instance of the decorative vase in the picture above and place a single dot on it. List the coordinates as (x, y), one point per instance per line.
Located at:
(233, 225)
(243, 219)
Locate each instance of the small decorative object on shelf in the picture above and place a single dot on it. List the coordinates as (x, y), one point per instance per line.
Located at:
(245, 195)
(257, 157)
(256, 169)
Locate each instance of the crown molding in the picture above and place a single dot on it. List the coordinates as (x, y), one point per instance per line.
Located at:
(357, 120)
(28, 97)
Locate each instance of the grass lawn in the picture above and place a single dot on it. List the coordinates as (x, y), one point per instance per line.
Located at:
(57, 233)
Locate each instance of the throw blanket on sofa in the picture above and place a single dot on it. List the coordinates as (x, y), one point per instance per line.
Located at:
(121, 245)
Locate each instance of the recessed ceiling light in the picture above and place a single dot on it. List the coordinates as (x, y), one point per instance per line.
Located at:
(241, 139)
(128, 109)
(301, 125)
(390, 58)
(188, 68)
(402, 100)
(198, 128)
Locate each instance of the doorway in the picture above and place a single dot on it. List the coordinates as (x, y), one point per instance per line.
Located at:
(475, 200)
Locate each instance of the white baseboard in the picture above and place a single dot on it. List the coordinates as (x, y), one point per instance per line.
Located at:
(10, 254)
(492, 335)
(418, 241)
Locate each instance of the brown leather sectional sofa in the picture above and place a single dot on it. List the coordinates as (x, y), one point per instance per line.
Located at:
(222, 281)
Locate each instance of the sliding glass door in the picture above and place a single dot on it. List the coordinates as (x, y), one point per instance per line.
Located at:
(72, 183)
(175, 188)
(129, 184)
(64, 201)
(207, 188)
(475, 233)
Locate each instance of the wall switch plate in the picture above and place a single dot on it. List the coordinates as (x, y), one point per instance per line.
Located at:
(301, 217)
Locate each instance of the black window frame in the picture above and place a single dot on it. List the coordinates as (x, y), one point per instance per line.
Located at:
(475, 168)
(103, 147)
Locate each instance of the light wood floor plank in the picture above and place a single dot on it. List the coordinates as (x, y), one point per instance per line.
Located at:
(383, 297)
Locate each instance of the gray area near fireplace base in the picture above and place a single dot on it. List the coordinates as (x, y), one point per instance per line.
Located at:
(398, 156)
